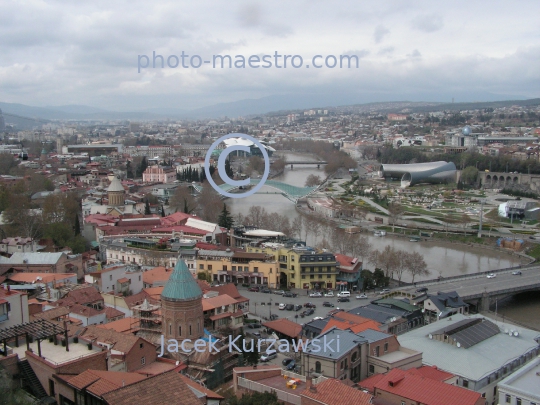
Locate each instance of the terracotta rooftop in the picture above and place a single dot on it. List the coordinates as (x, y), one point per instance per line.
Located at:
(425, 390)
(231, 290)
(100, 382)
(353, 326)
(154, 390)
(334, 392)
(122, 342)
(123, 325)
(284, 326)
(217, 302)
(157, 274)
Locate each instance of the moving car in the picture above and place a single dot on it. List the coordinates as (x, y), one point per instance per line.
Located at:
(327, 304)
(279, 292)
(422, 289)
(343, 299)
(282, 306)
(344, 294)
(516, 273)
(269, 356)
(315, 294)
(266, 290)
(310, 305)
(254, 289)
(384, 291)
(289, 294)
(361, 297)
(491, 275)
(329, 294)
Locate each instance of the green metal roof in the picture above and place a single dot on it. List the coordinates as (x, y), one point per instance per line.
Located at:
(181, 285)
(396, 303)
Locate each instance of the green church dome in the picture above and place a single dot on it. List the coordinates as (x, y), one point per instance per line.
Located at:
(181, 285)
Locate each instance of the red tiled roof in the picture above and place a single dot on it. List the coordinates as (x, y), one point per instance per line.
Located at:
(217, 302)
(209, 394)
(354, 327)
(231, 290)
(99, 382)
(128, 324)
(426, 390)
(334, 392)
(284, 326)
(431, 372)
(154, 390)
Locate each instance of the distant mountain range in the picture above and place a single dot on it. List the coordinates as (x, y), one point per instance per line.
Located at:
(17, 112)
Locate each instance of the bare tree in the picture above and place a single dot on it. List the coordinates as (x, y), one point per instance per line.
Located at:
(182, 200)
(387, 260)
(416, 265)
(313, 180)
(255, 215)
(395, 211)
(464, 221)
(296, 226)
(210, 204)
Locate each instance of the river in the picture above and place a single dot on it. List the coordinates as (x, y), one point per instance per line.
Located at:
(443, 259)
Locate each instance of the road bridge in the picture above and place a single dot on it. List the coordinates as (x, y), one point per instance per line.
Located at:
(480, 291)
(306, 162)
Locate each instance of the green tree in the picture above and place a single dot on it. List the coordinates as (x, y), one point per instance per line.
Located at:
(225, 219)
(469, 175)
(147, 208)
(380, 279)
(228, 168)
(129, 170)
(77, 225)
(162, 211)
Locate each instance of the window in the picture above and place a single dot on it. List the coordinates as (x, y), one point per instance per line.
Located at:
(256, 269)
(170, 329)
(402, 402)
(518, 401)
(386, 347)
(140, 345)
(465, 383)
(180, 330)
(270, 271)
(201, 266)
(483, 394)
(233, 268)
(224, 268)
(507, 399)
(371, 368)
(209, 267)
(143, 361)
(110, 276)
(317, 366)
(341, 365)
(377, 351)
(189, 330)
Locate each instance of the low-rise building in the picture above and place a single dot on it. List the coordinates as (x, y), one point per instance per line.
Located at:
(159, 174)
(41, 262)
(521, 387)
(120, 279)
(13, 307)
(18, 244)
(480, 351)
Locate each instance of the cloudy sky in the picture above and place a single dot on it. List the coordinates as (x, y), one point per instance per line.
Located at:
(66, 52)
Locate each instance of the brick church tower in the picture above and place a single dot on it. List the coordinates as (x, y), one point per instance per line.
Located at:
(181, 306)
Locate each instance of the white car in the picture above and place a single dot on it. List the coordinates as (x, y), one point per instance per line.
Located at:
(269, 356)
(361, 297)
(315, 294)
(329, 294)
(344, 294)
(491, 275)
(282, 306)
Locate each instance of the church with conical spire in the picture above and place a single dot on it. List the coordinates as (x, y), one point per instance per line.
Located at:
(181, 306)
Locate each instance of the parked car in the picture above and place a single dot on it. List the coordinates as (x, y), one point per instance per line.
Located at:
(318, 318)
(256, 334)
(266, 290)
(298, 307)
(289, 307)
(329, 294)
(421, 289)
(254, 325)
(287, 361)
(315, 294)
(384, 291)
(273, 317)
(289, 294)
(254, 289)
(291, 365)
(343, 299)
(327, 304)
(279, 292)
(310, 305)
(344, 294)
(361, 297)
(269, 356)
(282, 306)
(308, 312)
(491, 275)
(516, 273)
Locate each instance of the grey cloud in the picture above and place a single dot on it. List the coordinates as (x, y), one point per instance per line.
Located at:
(249, 15)
(428, 22)
(380, 32)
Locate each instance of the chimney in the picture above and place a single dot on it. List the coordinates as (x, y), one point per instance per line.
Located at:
(313, 389)
(309, 382)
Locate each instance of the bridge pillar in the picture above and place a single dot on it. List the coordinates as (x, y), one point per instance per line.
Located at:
(291, 166)
(318, 166)
(484, 302)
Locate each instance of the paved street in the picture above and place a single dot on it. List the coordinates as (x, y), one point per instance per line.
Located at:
(476, 285)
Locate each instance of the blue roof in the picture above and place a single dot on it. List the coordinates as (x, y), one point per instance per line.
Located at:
(181, 285)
